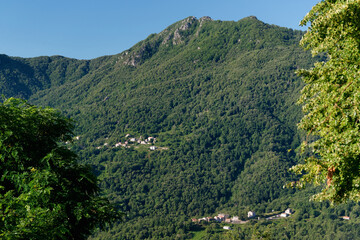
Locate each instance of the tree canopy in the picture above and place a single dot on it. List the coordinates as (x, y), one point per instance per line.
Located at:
(331, 100)
(221, 105)
(44, 192)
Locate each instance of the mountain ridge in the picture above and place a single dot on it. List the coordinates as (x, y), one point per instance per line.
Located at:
(219, 96)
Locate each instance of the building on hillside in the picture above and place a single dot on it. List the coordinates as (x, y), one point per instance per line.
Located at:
(227, 227)
(289, 211)
(284, 215)
(153, 148)
(210, 219)
(251, 214)
(202, 220)
(223, 215)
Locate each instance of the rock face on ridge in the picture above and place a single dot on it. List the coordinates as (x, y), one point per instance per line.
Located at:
(190, 30)
(176, 34)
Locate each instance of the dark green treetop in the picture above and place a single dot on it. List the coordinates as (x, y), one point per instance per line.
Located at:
(44, 192)
(331, 100)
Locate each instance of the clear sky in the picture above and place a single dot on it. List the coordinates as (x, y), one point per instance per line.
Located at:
(86, 29)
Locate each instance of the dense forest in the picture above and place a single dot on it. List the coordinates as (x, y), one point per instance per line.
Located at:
(217, 102)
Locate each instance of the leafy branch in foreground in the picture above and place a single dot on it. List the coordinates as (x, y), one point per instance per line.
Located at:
(44, 192)
(331, 100)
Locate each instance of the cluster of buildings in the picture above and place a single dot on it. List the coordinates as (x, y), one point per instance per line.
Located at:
(221, 217)
(132, 140)
(225, 218)
(285, 214)
(140, 140)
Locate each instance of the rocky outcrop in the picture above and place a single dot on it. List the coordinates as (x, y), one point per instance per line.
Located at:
(174, 35)
(177, 36)
(202, 20)
(187, 22)
(146, 50)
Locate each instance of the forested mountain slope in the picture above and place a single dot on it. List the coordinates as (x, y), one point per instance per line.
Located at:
(219, 97)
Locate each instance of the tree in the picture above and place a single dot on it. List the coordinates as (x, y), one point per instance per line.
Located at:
(44, 192)
(331, 100)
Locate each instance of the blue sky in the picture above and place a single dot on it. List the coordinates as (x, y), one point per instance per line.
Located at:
(86, 29)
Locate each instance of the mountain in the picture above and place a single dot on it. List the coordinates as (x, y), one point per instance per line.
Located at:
(219, 97)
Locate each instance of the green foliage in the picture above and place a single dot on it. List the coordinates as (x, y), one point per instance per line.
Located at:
(331, 99)
(24, 77)
(311, 220)
(218, 96)
(44, 192)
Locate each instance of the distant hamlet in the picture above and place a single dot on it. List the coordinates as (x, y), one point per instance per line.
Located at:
(133, 142)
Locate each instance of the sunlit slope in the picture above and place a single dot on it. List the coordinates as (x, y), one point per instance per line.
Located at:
(219, 97)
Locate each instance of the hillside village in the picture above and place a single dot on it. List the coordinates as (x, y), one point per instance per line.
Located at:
(225, 218)
(132, 141)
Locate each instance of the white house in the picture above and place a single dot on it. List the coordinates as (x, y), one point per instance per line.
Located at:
(289, 211)
(251, 214)
(153, 148)
(284, 215)
(202, 219)
(227, 227)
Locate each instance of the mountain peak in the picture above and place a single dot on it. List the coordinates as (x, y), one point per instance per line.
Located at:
(205, 18)
(206, 33)
(252, 17)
